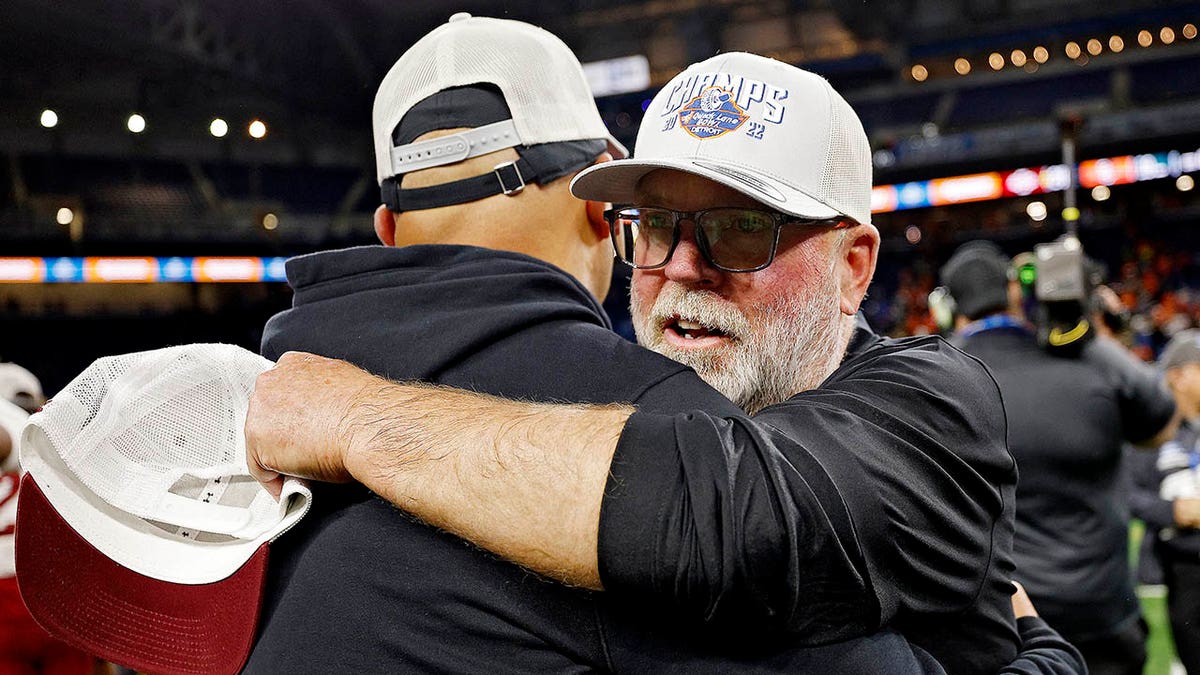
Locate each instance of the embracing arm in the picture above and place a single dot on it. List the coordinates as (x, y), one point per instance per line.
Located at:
(526, 481)
(521, 479)
(821, 518)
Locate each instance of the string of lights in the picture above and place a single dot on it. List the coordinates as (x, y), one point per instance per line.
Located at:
(1080, 51)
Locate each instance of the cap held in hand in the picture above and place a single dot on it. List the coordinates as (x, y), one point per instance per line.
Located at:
(141, 536)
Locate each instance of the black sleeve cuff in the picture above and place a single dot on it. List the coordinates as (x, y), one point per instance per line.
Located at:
(1044, 651)
(642, 482)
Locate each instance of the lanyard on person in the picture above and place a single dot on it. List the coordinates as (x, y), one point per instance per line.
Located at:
(993, 322)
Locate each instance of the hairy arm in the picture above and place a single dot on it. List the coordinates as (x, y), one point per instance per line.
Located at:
(522, 479)
(822, 518)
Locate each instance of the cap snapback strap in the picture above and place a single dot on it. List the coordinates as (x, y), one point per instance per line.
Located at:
(540, 163)
(454, 147)
(507, 179)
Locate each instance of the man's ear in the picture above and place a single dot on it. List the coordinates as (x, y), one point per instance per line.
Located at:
(595, 210)
(385, 225)
(857, 258)
(595, 216)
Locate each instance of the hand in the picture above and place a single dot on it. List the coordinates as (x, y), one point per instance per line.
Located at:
(1187, 512)
(1109, 300)
(1022, 605)
(298, 419)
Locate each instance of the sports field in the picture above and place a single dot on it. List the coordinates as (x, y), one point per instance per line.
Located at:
(1160, 648)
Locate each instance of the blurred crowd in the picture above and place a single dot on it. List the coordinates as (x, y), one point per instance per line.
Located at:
(1157, 284)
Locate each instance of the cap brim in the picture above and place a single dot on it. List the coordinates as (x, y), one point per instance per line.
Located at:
(617, 181)
(82, 597)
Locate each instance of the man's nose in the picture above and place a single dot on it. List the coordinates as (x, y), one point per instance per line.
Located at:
(688, 265)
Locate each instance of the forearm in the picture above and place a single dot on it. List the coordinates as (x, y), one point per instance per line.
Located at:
(1155, 512)
(1044, 652)
(522, 480)
(1165, 434)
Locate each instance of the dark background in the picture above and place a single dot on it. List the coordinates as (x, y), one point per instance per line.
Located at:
(309, 69)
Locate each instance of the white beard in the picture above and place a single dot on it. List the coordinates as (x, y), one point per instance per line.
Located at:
(778, 351)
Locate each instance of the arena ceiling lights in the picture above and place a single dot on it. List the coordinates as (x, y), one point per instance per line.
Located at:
(1079, 51)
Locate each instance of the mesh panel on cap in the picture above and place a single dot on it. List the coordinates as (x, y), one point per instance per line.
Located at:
(846, 183)
(129, 426)
(542, 81)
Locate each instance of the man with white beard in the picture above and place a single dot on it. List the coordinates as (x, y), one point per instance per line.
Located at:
(871, 488)
(787, 347)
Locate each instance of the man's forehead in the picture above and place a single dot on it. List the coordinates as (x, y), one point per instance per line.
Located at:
(665, 186)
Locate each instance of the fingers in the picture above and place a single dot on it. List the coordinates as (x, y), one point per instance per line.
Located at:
(270, 479)
(293, 420)
(1022, 605)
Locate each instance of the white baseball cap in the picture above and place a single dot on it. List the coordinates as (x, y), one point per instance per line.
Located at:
(141, 536)
(769, 130)
(541, 80)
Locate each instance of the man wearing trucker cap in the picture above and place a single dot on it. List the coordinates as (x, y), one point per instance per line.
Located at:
(872, 489)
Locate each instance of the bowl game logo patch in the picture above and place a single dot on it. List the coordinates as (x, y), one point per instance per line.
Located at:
(711, 114)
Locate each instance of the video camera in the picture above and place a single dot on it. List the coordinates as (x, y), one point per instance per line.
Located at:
(1058, 290)
(1058, 282)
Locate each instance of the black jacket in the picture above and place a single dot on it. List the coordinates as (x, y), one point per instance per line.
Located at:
(359, 587)
(1068, 417)
(882, 497)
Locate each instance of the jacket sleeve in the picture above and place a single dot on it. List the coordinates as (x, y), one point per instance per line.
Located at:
(826, 514)
(1146, 405)
(1144, 502)
(1044, 652)
(1178, 478)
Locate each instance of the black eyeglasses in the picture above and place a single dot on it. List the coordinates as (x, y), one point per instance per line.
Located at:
(731, 239)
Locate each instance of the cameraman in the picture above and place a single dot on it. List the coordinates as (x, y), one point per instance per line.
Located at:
(1068, 410)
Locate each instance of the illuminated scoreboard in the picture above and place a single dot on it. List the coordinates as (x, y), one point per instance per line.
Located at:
(141, 270)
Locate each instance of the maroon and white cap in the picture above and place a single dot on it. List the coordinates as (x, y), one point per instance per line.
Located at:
(141, 536)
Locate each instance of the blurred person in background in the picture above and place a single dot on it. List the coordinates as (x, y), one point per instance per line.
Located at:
(20, 396)
(1179, 467)
(24, 647)
(1068, 416)
(1139, 469)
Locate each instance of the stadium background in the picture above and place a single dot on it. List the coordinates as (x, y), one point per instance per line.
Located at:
(160, 158)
